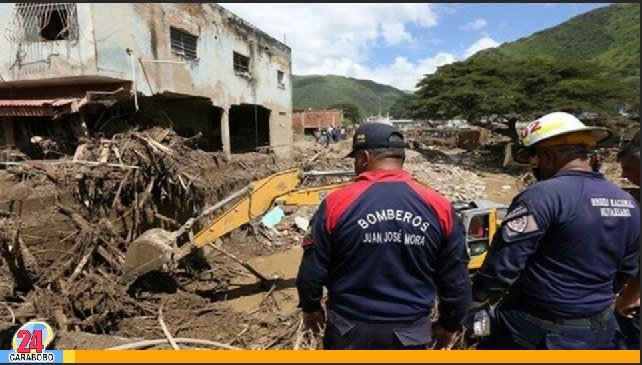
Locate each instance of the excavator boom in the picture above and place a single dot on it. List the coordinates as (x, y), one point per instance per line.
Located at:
(157, 247)
(280, 188)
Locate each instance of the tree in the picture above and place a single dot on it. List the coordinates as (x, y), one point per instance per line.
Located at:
(351, 112)
(402, 107)
(478, 89)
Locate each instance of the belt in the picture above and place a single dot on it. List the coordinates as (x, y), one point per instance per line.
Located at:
(550, 317)
(554, 322)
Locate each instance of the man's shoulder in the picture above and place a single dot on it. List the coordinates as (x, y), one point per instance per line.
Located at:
(540, 194)
(429, 194)
(345, 192)
(565, 187)
(556, 185)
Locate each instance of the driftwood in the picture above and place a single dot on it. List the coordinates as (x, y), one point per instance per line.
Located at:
(121, 186)
(249, 267)
(11, 251)
(41, 164)
(168, 335)
(80, 222)
(193, 341)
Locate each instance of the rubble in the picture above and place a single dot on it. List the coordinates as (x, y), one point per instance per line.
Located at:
(453, 182)
(456, 183)
(107, 194)
(66, 223)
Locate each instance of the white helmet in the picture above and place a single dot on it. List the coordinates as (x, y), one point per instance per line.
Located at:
(565, 127)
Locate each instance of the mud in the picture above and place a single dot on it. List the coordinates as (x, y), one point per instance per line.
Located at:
(65, 225)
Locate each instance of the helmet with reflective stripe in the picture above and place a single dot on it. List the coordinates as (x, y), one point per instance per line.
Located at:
(558, 128)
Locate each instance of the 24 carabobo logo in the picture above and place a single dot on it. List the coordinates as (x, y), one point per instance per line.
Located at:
(32, 338)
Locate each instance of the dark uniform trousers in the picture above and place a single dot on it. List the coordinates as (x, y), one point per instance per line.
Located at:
(346, 334)
(517, 327)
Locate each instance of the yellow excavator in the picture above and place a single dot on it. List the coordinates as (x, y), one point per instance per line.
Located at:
(156, 248)
(481, 219)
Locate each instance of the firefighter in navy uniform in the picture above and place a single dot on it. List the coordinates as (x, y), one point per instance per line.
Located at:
(384, 247)
(567, 244)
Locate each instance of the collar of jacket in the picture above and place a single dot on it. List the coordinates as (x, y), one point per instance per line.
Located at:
(384, 175)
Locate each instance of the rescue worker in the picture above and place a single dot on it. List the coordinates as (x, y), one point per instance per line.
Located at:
(627, 304)
(566, 245)
(384, 246)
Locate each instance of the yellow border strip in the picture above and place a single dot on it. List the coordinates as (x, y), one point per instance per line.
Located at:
(291, 356)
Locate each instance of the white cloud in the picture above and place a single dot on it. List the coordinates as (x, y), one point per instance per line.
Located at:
(482, 43)
(475, 25)
(337, 38)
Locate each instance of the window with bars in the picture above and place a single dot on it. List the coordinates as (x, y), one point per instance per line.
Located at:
(183, 44)
(241, 64)
(42, 22)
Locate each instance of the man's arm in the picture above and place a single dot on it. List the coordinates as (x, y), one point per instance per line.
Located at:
(314, 263)
(522, 228)
(629, 298)
(453, 279)
(629, 273)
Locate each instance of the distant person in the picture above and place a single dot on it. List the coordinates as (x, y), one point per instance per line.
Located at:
(336, 134)
(317, 135)
(324, 137)
(328, 136)
(385, 247)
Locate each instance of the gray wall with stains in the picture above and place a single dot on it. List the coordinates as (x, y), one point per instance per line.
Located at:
(106, 31)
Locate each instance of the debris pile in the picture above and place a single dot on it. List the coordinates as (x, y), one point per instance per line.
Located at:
(65, 225)
(453, 182)
(101, 199)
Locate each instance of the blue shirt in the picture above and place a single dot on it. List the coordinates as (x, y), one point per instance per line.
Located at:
(566, 245)
(385, 247)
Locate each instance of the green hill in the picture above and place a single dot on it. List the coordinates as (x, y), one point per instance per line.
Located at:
(609, 36)
(317, 91)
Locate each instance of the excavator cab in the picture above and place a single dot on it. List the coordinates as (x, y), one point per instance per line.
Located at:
(481, 219)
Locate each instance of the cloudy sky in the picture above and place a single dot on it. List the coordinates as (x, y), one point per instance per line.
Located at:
(396, 44)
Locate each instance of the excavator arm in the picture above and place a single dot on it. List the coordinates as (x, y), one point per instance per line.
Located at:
(157, 247)
(280, 188)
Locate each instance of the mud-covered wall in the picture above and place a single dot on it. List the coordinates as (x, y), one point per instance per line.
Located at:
(145, 29)
(108, 31)
(23, 61)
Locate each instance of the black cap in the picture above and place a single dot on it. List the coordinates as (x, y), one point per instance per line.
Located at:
(375, 135)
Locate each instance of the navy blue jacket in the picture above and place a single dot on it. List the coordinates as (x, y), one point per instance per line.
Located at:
(385, 246)
(566, 245)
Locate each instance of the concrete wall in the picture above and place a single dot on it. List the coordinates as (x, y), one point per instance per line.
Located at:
(46, 60)
(107, 31)
(318, 118)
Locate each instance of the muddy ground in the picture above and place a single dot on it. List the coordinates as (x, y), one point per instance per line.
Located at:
(64, 229)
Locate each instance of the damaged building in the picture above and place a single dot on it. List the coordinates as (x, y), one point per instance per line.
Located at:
(306, 121)
(69, 70)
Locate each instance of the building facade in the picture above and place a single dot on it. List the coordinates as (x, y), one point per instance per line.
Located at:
(196, 67)
(308, 120)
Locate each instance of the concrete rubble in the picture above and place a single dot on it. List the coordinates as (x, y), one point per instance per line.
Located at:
(65, 224)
